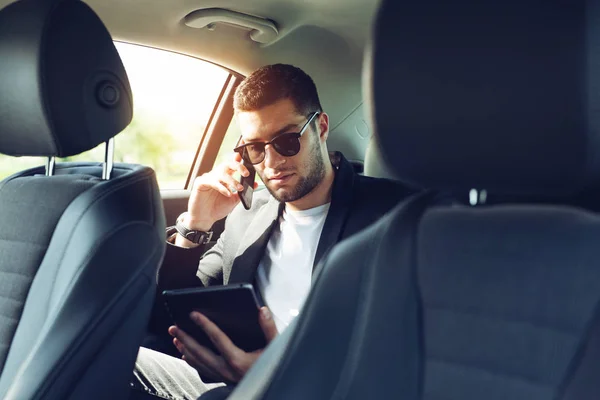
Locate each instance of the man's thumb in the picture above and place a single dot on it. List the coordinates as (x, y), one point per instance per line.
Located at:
(267, 324)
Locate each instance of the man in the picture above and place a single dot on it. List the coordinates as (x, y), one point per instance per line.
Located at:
(313, 200)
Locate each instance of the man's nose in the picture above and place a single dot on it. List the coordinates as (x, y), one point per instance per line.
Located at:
(272, 158)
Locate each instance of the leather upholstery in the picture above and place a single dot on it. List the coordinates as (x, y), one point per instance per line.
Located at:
(440, 299)
(375, 165)
(490, 95)
(88, 304)
(509, 314)
(60, 73)
(78, 254)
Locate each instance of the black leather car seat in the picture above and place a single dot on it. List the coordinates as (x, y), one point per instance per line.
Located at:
(460, 302)
(80, 243)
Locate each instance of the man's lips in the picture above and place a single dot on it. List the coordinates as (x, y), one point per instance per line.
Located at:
(281, 178)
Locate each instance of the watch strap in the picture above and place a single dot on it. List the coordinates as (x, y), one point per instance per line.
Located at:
(194, 236)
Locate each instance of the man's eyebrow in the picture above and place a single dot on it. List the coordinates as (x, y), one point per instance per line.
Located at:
(280, 131)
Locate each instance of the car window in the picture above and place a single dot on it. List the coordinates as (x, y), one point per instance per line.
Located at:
(174, 97)
(229, 141)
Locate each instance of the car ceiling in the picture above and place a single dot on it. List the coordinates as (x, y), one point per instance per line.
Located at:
(325, 38)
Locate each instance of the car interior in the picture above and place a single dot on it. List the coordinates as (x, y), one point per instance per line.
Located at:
(482, 286)
(492, 298)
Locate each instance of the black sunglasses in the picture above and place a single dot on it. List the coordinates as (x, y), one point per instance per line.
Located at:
(286, 144)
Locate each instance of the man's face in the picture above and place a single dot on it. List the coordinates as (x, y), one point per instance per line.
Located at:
(287, 178)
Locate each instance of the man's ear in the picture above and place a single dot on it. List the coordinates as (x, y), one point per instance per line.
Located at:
(323, 122)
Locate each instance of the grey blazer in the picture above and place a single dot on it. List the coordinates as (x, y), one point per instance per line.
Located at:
(356, 202)
(242, 243)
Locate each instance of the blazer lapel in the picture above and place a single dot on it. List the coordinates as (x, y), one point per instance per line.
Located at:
(253, 243)
(341, 201)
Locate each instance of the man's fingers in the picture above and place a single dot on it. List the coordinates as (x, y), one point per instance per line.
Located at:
(237, 166)
(237, 156)
(172, 330)
(201, 368)
(231, 184)
(226, 187)
(202, 357)
(223, 183)
(228, 350)
(223, 188)
(267, 323)
(178, 344)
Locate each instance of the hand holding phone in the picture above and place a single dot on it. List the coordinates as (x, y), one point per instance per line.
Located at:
(248, 184)
(246, 181)
(216, 193)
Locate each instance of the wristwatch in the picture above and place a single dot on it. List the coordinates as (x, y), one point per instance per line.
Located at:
(198, 237)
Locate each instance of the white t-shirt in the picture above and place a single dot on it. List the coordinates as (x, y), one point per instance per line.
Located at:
(285, 272)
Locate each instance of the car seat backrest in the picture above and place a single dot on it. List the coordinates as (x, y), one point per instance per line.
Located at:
(80, 243)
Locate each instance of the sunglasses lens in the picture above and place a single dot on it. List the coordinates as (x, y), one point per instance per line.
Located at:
(254, 153)
(287, 144)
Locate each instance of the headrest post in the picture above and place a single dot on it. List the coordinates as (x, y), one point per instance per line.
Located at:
(50, 162)
(107, 167)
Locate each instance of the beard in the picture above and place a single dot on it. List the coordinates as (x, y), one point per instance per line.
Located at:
(315, 172)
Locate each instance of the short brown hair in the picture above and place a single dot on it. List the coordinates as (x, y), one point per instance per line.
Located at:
(272, 83)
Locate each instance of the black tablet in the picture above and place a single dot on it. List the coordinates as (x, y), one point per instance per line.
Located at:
(233, 308)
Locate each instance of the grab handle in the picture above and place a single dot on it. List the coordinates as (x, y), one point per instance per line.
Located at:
(261, 30)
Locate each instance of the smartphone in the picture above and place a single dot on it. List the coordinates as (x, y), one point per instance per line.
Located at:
(233, 308)
(248, 184)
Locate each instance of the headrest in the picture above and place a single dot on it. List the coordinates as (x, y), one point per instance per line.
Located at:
(63, 88)
(488, 94)
(375, 165)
